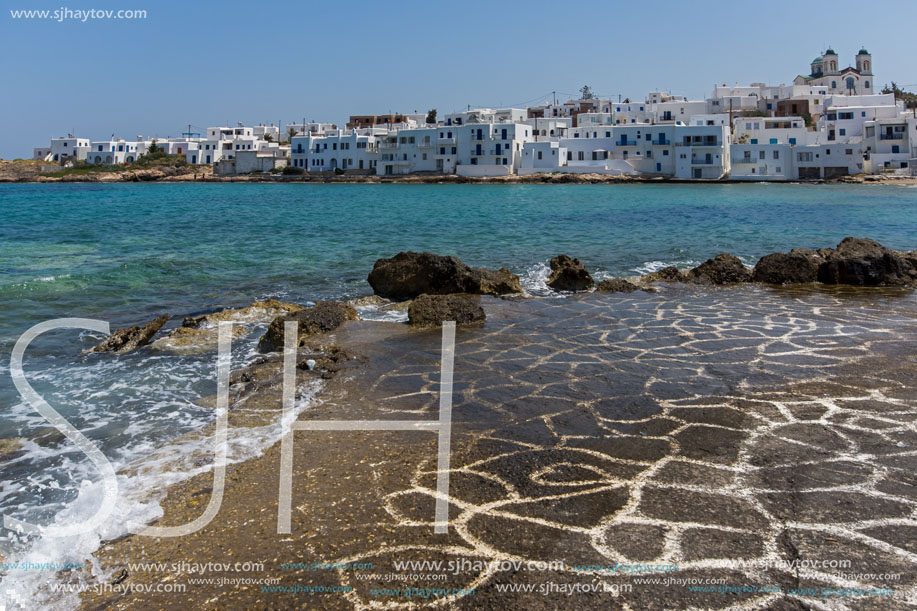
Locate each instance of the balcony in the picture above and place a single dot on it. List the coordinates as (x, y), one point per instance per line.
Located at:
(897, 136)
(475, 137)
(705, 142)
(626, 143)
(425, 144)
(442, 140)
(662, 143)
(703, 161)
(389, 144)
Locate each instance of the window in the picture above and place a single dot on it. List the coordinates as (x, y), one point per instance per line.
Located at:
(539, 154)
(760, 154)
(792, 140)
(848, 152)
(580, 156)
(845, 116)
(608, 134)
(665, 153)
(842, 131)
(776, 154)
(804, 156)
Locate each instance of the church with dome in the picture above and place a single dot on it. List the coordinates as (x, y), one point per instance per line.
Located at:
(825, 72)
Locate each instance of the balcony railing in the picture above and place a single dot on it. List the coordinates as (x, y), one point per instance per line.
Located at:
(697, 161)
(425, 144)
(446, 140)
(389, 144)
(478, 137)
(897, 136)
(710, 142)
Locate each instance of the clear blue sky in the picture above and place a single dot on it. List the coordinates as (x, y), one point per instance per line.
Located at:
(209, 63)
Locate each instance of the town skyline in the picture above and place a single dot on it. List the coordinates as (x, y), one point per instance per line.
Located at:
(170, 92)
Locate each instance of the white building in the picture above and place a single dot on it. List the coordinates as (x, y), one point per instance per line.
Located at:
(888, 144)
(345, 150)
(762, 162)
(113, 152)
(771, 130)
(253, 161)
(826, 72)
(63, 150)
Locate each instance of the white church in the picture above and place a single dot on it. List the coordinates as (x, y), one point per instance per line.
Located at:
(846, 81)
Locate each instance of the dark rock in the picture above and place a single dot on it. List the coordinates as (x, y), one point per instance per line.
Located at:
(798, 265)
(125, 340)
(857, 248)
(494, 282)
(616, 285)
(865, 262)
(666, 274)
(569, 275)
(323, 317)
(409, 274)
(433, 310)
(722, 269)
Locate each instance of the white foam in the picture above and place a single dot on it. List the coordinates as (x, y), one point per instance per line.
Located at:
(148, 402)
(377, 313)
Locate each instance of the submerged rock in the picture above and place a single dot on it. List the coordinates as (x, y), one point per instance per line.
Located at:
(722, 269)
(323, 317)
(800, 265)
(569, 274)
(409, 274)
(495, 282)
(666, 274)
(189, 340)
(616, 285)
(433, 310)
(369, 300)
(259, 311)
(126, 340)
(865, 262)
(9, 447)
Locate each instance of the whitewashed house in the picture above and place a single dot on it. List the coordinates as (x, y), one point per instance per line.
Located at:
(762, 162)
(702, 151)
(113, 152)
(887, 145)
(543, 157)
(354, 151)
(63, 150)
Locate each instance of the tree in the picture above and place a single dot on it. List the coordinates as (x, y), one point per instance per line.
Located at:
(268, 138)
(431, 117)
(586, 92)
(154, 148)
(807, 119)
(290, 133)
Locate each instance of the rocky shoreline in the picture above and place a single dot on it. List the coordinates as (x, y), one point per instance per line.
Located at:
(602, 428)
(204, 174)
(634, 451)
(434, 288)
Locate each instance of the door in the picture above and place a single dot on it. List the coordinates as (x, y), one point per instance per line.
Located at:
(698, 173)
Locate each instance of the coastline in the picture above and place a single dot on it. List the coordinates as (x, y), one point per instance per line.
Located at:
(204, 174)
(576, 475)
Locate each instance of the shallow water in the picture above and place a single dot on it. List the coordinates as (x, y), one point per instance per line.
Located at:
(127, 253)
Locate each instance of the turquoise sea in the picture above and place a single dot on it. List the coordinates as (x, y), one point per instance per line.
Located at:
(125, 253)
